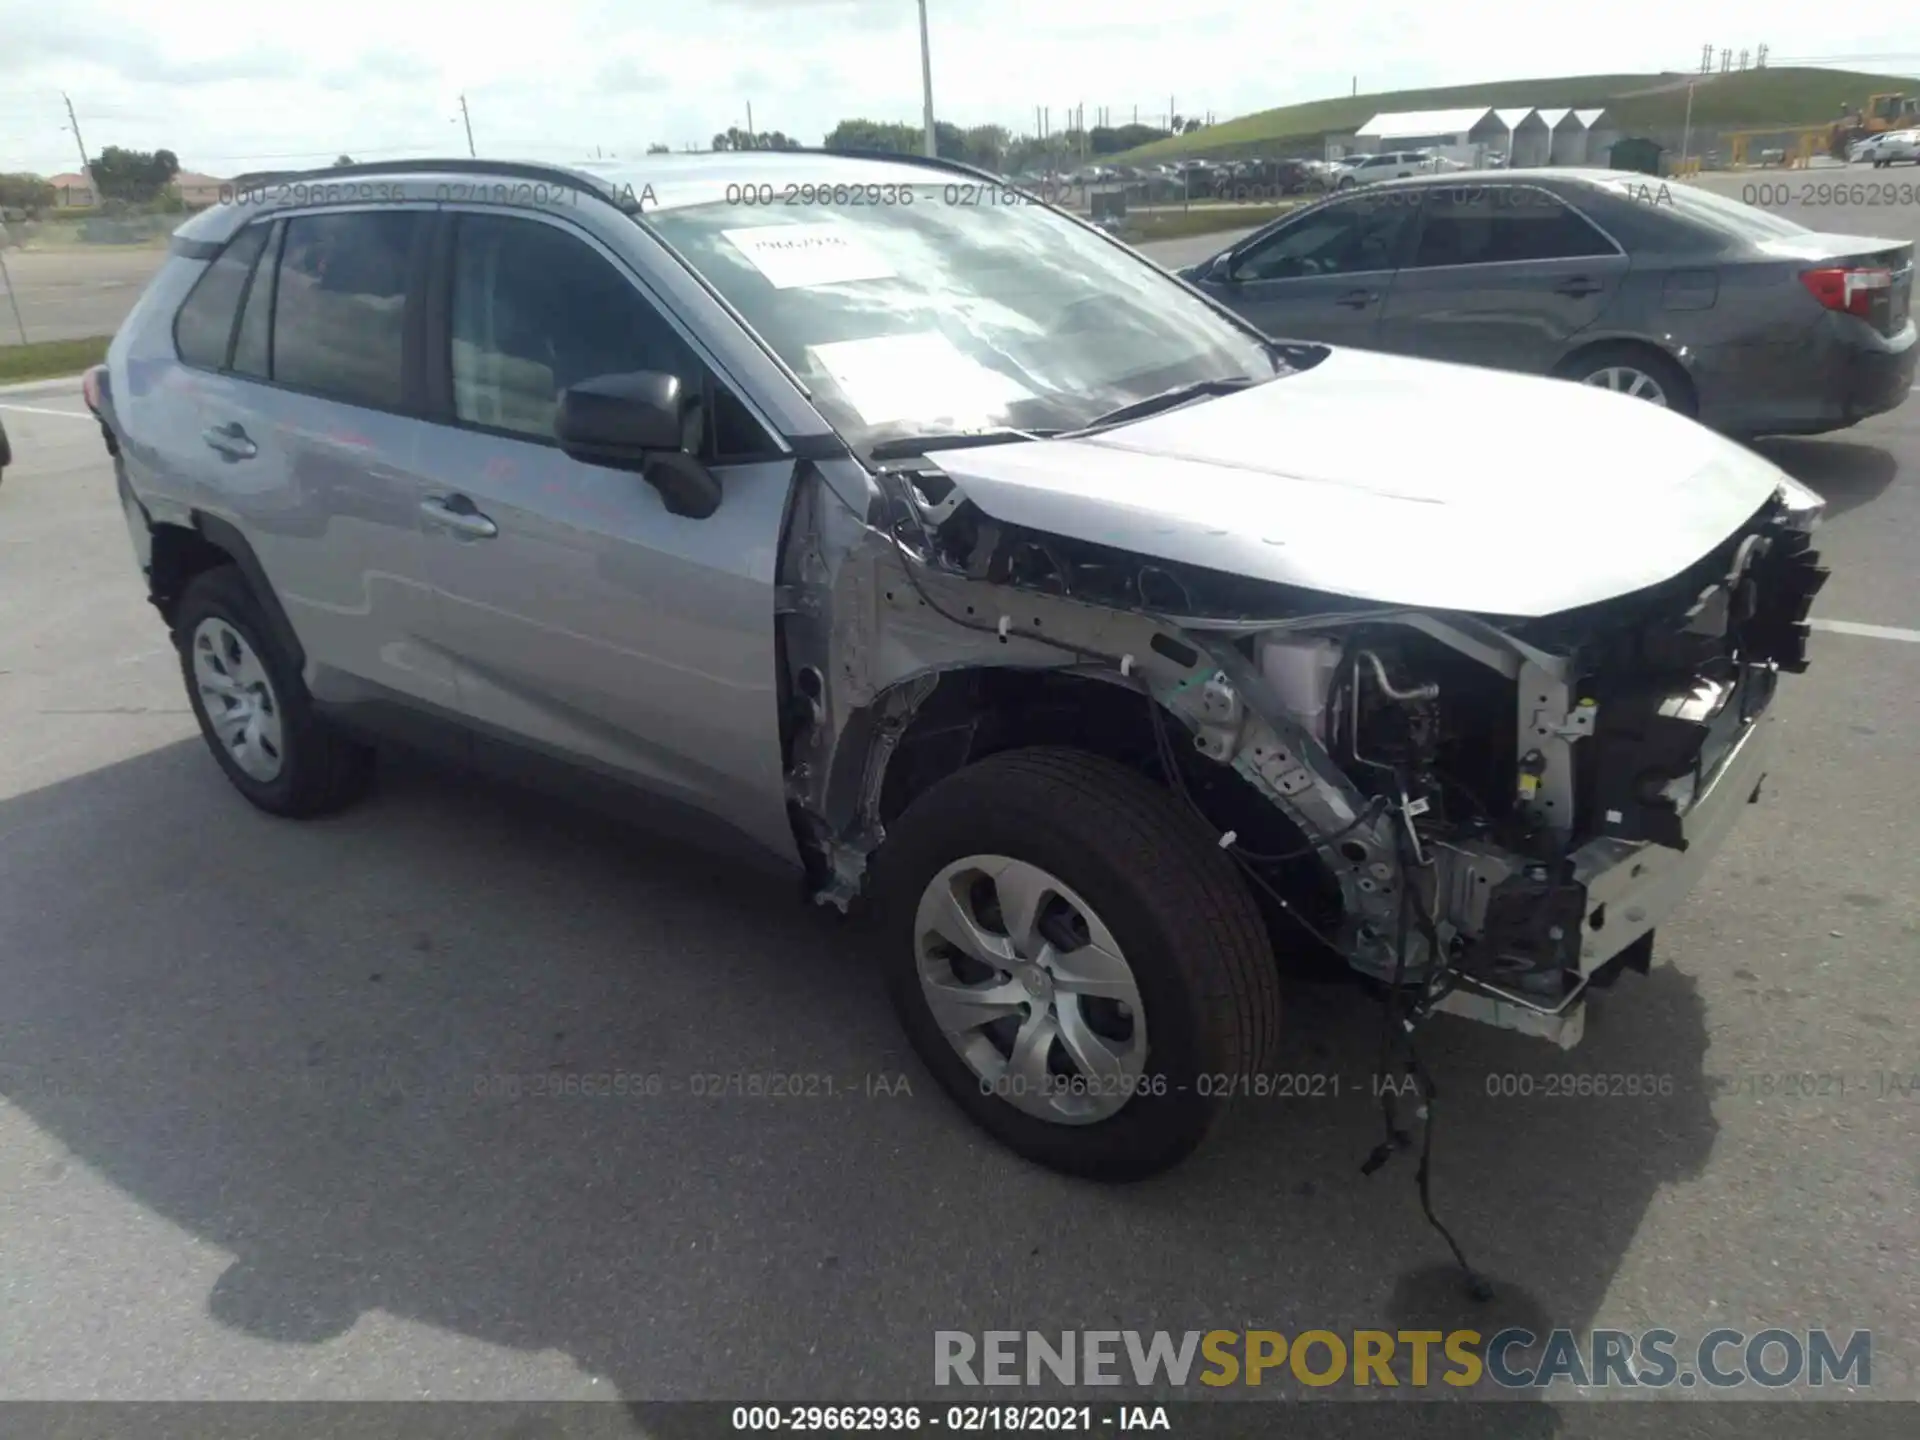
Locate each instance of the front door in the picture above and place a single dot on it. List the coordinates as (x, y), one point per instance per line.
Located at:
(1323, 275)
(584, 620)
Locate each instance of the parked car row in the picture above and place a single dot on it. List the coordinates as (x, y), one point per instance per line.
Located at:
(1589, 275)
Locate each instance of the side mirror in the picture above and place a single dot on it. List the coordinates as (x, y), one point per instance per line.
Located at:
(1220, 271)
(643, 421)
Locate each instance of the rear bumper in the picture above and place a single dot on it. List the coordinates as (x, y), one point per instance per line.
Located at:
(1842, 374)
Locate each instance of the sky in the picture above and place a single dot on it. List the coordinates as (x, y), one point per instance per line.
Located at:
(231, 85)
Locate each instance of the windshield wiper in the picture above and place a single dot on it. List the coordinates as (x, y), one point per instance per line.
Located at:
(907, 446)
(1169, 399)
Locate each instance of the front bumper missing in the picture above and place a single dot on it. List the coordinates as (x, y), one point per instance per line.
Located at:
(1632, 886)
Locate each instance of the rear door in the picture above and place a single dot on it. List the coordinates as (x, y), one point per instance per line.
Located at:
(305, 431)
(585, 620)
(1502, 275)
(1325, 274)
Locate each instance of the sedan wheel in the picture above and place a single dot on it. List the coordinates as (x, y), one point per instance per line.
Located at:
(1626, 380)
(1030, 989)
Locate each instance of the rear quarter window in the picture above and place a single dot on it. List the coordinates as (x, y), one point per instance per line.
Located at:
(203, 329)
(1673, 217)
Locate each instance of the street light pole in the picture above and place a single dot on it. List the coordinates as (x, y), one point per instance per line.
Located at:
(932, 148)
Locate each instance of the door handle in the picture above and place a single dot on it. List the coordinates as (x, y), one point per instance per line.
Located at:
(231, 440)
(1578, 287)
(1355, 299)
(456, 513)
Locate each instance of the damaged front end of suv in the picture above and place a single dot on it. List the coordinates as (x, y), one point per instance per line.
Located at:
(1488, 813)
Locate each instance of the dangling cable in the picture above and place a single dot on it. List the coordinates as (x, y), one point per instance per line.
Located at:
(1477, 1286)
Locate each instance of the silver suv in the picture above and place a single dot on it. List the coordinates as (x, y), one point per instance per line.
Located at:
(960, 558)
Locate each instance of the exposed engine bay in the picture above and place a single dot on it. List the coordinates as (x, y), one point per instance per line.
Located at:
(1488, 813)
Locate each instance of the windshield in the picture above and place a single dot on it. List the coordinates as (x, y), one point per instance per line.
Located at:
(947, 307)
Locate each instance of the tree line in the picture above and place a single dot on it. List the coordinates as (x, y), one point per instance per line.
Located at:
(143, 177)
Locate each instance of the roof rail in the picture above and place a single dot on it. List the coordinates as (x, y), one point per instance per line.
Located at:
(455, 165)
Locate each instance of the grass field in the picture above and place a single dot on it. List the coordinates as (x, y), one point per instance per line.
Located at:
(1753, 99)
(50, 358)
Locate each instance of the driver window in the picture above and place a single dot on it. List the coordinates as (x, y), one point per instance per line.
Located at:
(1347, 237)
(536, 310)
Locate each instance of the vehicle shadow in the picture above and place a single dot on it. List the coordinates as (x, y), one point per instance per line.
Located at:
(340, 1052)
(1848, 473)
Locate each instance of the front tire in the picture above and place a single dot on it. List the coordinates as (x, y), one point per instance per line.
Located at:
(253, 708)
(1075, 959)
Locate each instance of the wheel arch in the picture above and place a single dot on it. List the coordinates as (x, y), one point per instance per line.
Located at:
(1591, 344)
(921, 730)
(180, 553)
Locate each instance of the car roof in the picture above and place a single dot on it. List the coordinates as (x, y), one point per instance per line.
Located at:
(1580, 174)
(663, 182)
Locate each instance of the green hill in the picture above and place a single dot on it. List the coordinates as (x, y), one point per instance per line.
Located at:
(1750, 99)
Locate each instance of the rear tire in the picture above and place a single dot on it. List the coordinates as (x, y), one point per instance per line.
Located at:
(1628, 364)
(1108, 854)
(253, 707)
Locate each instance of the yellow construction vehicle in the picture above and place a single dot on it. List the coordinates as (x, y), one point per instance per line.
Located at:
(1892, 111)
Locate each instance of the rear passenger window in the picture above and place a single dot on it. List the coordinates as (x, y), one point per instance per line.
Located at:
(339, 314)
(1501, 224)
(204, 327)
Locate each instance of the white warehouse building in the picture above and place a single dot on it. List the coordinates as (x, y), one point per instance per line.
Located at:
(1525, 137)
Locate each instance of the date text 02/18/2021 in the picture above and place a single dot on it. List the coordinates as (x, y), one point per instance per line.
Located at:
(1074, 1420)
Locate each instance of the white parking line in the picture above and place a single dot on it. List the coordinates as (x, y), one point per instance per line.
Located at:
(38, 410)
(1868, 632)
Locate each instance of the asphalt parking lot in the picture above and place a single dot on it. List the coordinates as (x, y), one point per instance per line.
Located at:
(259, 1137)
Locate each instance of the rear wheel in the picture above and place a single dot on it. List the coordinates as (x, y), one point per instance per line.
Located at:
(1075, 960)
(253, 707)
(1633, 370)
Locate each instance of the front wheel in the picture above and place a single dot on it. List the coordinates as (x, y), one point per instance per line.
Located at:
(1075, 959)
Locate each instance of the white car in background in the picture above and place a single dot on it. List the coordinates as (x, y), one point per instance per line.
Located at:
(1391, 165)
(1895, 147)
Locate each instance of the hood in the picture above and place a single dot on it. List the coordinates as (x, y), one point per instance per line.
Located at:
(1403, 482)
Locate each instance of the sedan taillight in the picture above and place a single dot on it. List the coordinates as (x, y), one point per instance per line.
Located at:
(1847, 288)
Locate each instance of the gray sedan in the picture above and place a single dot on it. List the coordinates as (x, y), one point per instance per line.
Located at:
(1746, 321)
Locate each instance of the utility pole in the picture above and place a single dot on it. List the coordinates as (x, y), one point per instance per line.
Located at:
(1686, 132)
(932, 146)
(86, 165)
(749, 124)
(467, 120)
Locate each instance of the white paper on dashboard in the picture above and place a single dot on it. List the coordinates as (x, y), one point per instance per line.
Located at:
(923, 378)
(797, 256)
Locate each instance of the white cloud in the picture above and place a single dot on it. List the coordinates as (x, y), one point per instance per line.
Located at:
(230, 84)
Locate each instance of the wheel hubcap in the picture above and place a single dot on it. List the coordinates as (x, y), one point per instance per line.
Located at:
(1030, 989)
(238, 698)
(1626, 380)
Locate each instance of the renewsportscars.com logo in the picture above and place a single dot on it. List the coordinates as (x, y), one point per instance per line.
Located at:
(1513, 1359)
